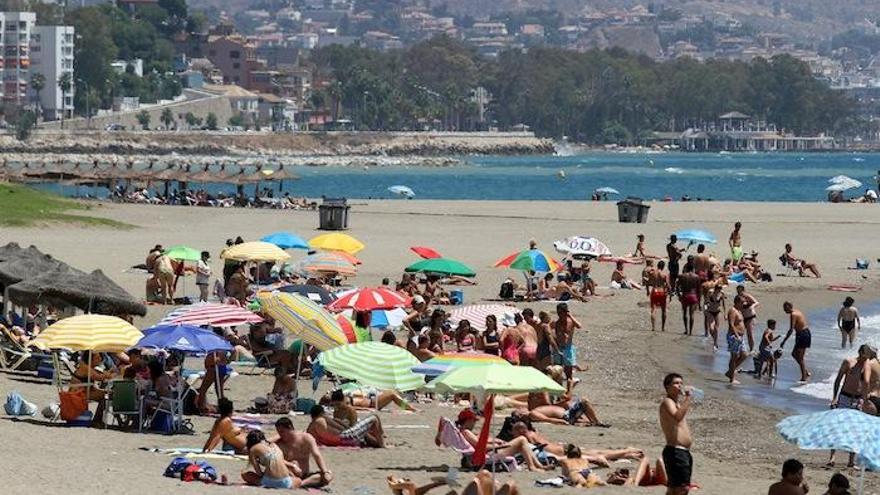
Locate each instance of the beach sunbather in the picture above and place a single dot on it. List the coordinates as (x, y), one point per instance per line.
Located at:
(224, 431)
(483, 484)
(366, 432)
(467, 419)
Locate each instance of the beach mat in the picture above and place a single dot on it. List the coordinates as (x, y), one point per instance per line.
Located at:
(194, 452)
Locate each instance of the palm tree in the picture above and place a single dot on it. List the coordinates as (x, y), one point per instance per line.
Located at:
(167, 118)
(38, 82)
(65, 82)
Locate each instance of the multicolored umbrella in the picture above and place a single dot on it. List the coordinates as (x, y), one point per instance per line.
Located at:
(336, 242)
(90, 332)
(212, 314)
(369, 298)
(494, 379)
(436, 366)
(476, 314)
(836, 429)
(322, 263)
(374, 364)
(529, 260)
(255, 251)
(286, 240)
(442, 266)
(304, 318)
(353, 333)
(425, 252)
(183, 253)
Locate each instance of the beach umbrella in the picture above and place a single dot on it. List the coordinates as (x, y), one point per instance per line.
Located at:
(837, 179)
(89, 332)
(285, 240)
(442, 363)
(443, 266)
(848, 430)
(476, 314)
(404, 191)
(336, 242)
(314, 292)
(255, 251)
(326, 263)
(211, 314)
(303, 318)
(582, 247)
(183, 253)
(353, 333)
(606, 190)
(188, 339)
(354, 260)
(529, 260)
(387, 318)
(494, 379)
(369, 298)
(696, 236)
(374, 364)
(425, 252)
(844, 185)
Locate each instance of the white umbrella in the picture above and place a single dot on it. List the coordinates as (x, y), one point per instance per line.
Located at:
(844, 185)
(582, 246)
(837, 179)
(402, 191)
(607, 190)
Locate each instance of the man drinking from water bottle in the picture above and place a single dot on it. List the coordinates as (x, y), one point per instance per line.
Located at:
(676, 454)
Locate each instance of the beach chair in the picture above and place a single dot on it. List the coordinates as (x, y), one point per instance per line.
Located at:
(125, 402)
(449, 436)
(13, 354)
(787, 269)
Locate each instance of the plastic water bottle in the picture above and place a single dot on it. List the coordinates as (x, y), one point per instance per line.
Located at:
(697, 395)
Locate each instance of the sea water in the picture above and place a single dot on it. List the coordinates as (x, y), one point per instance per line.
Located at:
(728, 177)
(823, 360)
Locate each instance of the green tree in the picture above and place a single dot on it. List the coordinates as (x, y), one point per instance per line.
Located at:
(38, 82)
(167, 118)
(24, 124)
(143, 119)
(211, 121)
(65, 83)
(191, 120)
(237, 120)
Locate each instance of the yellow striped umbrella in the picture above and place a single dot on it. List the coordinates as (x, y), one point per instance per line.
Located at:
(100, 333)
(304, 318)
(336, 242)
(255, 251)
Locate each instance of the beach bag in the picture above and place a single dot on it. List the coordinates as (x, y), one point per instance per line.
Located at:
(199, 471)
(278, 404)
(73, 404)
(304, 405)
(862, 264)
(162, 422)
(177, 466)
(506, 291)
(17, 406)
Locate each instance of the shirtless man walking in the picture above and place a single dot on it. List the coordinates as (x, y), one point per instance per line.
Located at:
(298, 448)
(676, 454)
(702, 263)
(673, 253)
(689, 296)
(735, 243)
(872, 401)
(855, 376)
(565, 325)
(802, 340)
(657, 284)
(735, 331)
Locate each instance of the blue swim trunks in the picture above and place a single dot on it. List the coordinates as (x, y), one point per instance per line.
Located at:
(567, 355)
(270, 482)
(735, 344)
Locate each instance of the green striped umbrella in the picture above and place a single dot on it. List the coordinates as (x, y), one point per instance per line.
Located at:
(374, 364)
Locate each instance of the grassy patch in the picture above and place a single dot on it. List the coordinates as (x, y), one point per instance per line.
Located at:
(21, 206)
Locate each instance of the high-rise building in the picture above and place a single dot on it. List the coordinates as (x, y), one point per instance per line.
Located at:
(16, 38)
(52, 56)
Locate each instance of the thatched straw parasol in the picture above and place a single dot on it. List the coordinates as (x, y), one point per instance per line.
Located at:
(91, 292)
(22, 265)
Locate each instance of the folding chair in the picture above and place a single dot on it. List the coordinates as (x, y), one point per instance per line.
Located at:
(449, 436)
(787, 269)
(13, 354)
(125, 402)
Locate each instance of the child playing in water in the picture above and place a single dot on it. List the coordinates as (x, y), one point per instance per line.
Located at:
(766, 357)
(848, 322)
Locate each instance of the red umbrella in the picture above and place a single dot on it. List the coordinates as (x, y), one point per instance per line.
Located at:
(426, 252)
(507, 260)
(370, 299)
(481, 450)
(347, 329)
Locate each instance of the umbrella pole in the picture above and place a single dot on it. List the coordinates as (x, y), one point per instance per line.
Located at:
(299, 361)
(862, 478)
(218, 387)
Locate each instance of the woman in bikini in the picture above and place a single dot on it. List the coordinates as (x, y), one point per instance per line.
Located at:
(747, 305)
(269, 467)
(511, 344)
(848, 322)
(490, 340)
(716, 302)
(464, 337)
(225, 431)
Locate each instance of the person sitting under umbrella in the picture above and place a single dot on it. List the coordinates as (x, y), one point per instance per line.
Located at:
(87, 373)
(367, 399)
(330, 432)
(467, 420)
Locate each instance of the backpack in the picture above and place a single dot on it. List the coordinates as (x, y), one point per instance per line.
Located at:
(17, 406)
(187, 470)
(177, 466)
(506, 291)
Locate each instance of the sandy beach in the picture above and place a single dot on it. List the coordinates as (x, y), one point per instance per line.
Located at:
(736, 450)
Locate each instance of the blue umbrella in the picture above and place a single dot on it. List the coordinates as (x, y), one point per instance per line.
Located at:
(286, 240)
(188, 339)
(402, 191)
(696, 236)
(836, 429)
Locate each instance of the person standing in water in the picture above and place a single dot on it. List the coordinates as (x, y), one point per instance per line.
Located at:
(848, 322)
(802, 340)
(747, 304)
(735, 344)
(855, 377)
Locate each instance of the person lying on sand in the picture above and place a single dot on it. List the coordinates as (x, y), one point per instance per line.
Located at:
(642, 476)
(366, 399)
(466, 422)
(330, 432)
(521, 427)
(566, 411)
(483, 484)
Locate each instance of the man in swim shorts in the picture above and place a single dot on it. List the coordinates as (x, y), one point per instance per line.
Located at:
(735, 242)
(736, 330)
(565, 325)
(802, 340)
(689, 296)
(673, 253)
(676, 454)
(658, 290)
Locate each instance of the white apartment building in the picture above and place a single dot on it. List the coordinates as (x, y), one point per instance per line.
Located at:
(16, 37)
(52, 56)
